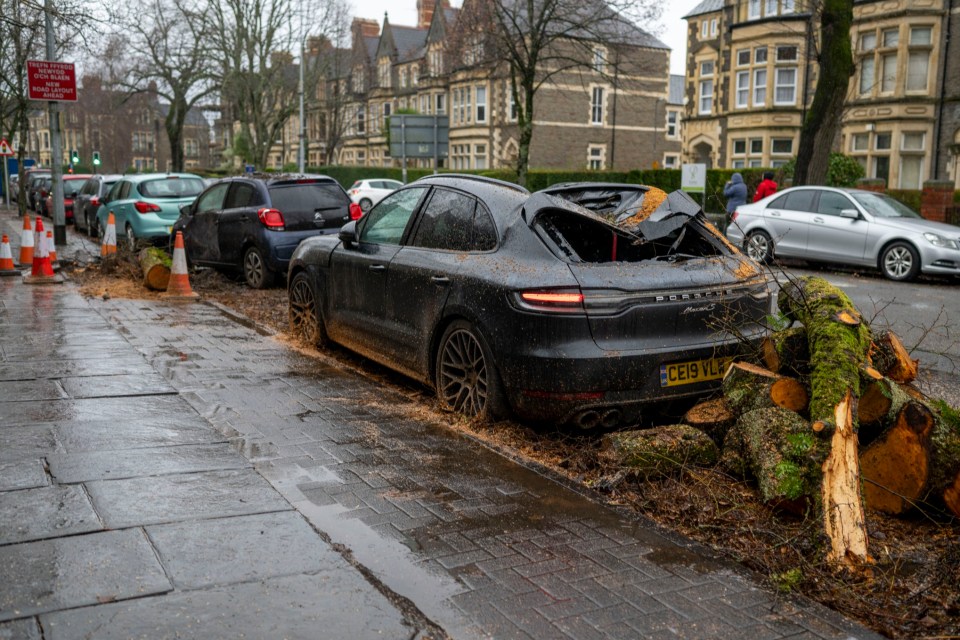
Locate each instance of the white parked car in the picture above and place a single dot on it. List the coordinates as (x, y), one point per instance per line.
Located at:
(367, 193)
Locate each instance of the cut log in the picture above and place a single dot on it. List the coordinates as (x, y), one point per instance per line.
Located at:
(896, 466)
(786, 352)
(713, 417)
(747, 386)
(776, 447)
(878, 407)
(945, 461)
(659, 452)
(155, 264)
(843, 517)
(892, 358)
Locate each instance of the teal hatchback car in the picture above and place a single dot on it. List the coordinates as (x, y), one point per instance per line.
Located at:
(145, 206)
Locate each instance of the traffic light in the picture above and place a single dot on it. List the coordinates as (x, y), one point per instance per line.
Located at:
(74, 157)
(96, 158)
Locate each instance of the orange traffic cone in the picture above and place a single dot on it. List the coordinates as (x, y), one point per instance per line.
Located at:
(51, 247)
(179, 284)
(6, 258)
(109, 245)
(26, 243)
(42, 272)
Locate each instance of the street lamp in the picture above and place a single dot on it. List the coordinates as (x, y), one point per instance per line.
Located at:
(301, 150)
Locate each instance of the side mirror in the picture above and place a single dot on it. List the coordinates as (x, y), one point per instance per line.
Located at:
(853, 214)
(348, 234)
(186, 209)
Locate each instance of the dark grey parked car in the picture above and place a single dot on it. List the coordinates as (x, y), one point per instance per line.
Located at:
(89, 199)
(506, 301)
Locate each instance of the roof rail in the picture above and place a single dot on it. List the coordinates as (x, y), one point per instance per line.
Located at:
(476, 178)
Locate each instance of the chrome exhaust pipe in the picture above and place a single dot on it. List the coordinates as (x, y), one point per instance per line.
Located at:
(588, 419)
(610, 419)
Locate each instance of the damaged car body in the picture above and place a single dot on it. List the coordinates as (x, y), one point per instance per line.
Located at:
(580, 304)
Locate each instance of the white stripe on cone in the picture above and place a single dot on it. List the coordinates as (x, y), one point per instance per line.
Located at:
(179, 262)
(110, 236)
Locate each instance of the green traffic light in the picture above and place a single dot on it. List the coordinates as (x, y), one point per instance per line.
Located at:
(96, 158)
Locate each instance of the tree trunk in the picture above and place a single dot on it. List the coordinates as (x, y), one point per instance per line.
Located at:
(896, 466)
(892, 359)
(155, 264)
(787, 352)
(879, 405)
(659, 452)
(713, 417)
(835, 69)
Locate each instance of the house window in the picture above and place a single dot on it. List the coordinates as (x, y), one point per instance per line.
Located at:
(403, 78)
(672, 119)
(787, 6)
(781, 145)
(670, 161)
(756, 145)
(481, 104)
(713, 28)
(596, 157)
(770, 8)
(599, 58)
(922, 36)
(424, 104)
(786, 54)
(868, 41)
(759, 87)
(465, 105)
(912, 141)
(386, 109)
(867, 74)
(479, 156)
(596, 106)
(441, 104)
(860, 142)
(384, 70)
(911, 172)
(705, 29)
(883, 141)
(888, 71)
(743, 89)
(785, 91)
(760, 55)
(706, 96)
(753, 9)
(455, 105)
(743, 57)
(361, 124)
(739, 147)
(513, 106)
(891, 37)
(706, 68)
(918, 64)
(361, 157)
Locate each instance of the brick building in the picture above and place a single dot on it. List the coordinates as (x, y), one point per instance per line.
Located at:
(751, 74)
(582, 119)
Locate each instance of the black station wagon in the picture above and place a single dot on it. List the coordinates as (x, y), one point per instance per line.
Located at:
(581, 304)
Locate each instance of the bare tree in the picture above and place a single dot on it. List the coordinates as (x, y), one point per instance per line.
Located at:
(333, 68)
(820, 127)
(168, 43)
(539, 40)
(255, 43)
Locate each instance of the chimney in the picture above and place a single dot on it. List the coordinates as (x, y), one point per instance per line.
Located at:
(425, 9)
(363, 27)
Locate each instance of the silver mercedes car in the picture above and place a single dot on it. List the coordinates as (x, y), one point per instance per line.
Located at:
(847, 226)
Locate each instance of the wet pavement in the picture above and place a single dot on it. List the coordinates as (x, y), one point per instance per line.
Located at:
(166, 471)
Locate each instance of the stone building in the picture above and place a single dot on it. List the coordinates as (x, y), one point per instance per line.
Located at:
(752, 71)
(585, 118)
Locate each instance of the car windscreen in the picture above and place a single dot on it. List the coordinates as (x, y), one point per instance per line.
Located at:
(884, 206)
(171, 187)
(72, 187)
(304, 199)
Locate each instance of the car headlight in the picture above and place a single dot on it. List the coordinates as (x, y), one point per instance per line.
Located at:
(940, 241)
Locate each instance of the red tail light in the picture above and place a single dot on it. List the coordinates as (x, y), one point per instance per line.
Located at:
(551, 300)
(95, 201)
(271, 218)
(355, 211)
(146, 207)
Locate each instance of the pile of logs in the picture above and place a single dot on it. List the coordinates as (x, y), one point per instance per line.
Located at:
(830, 421)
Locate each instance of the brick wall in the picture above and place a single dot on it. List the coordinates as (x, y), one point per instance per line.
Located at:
(937, 200)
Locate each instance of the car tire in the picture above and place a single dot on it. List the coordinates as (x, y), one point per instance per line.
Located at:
(91, 231)
(255, 270)
(899, 261)
(759, 246)
(365, 204)
(306, 322)
(131, 239)
(466, 378)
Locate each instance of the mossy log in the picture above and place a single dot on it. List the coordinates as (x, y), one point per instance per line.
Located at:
(897, 465)
(787, 352)
(945, 459)
(878, 407)
(714, 417)
(776, 447)
(659, 452)
(839, 343)
(747, 387)
(892, 359)
(155, 264)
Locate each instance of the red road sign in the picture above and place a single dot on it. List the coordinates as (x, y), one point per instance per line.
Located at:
(5, 149)
(51, 81)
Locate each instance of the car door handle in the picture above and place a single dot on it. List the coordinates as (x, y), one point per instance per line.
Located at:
(443, 280)
(378, 267)
(775, 214)
(818, 219)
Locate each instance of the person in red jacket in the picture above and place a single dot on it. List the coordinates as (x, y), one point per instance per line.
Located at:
(767, 187)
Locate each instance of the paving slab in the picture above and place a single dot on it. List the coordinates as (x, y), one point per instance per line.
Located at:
(45, 512)
(222, 551)
(162, 499)
(125, 364)
(76, 571)
(141, 384)
(28, 442)
(32, 390)
(22, 474)
(140, 433)
(327, 604)
(111, 465)
(20, 413)
(26, 629)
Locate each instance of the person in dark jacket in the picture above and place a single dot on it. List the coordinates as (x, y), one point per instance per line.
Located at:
(735, 192)
(767, 187)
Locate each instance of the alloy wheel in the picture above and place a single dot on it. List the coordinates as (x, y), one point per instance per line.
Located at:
(898, 262)
(131, 239)
(462, 375)
(758, 247)
(303, 311)
(254, 271)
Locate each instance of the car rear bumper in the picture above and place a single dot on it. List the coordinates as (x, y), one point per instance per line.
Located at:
(281, 245)
(602, 387)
